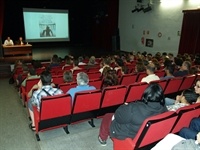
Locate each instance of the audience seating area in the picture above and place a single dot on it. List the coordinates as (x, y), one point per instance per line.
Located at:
(58, 111)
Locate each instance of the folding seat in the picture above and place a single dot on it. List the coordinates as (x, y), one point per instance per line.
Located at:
(131, 67)
(67, 68)
(160, 73)
(112, 98)
(128, 79)
(185, 115)
(75, 72)
(66, 86)
(135, 91)
(25, 90)
(152, 130)
(39, 70)
(187, 82)
(140, 76)
(94, 69)
(173, 85)
(94, 75)
(162, 83)
(85, 106)
(57, 79)
(96, 83)
(55, 112)
(198, 76)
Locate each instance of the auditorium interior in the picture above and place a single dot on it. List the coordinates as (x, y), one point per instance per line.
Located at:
(97, 28)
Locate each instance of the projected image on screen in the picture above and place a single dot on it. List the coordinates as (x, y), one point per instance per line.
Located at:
(46, 25)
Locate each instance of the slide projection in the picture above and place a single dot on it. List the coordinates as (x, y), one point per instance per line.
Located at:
(46, 25)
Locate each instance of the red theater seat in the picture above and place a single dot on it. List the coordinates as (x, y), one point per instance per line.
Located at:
(128, 79)
(152, 130)
(55, 112)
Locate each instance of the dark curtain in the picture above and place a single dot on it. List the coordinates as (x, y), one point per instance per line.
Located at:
(1, 24)
(190, 33)
(1, 16)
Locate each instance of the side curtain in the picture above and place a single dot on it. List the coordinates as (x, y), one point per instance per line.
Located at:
(190, 33)
(1, 16)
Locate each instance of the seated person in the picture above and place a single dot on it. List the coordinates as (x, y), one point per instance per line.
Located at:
(82, 82)
(174, 142)
(31, 75)
(187, 97)
(105, 63)
(150, 69)
(192, 130)
(20, 41)
(169, 70)
(67, 77)
(8, 42)
(184, 70)
(75, 66)
(110, 78)
(44, 88)
(128, 118)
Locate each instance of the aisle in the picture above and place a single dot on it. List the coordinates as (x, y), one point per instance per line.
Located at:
(14, 131)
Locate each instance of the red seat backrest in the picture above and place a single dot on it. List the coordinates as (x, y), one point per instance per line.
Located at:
(113, 95)
(66, 86)
(140, 76)
(173, 85)
(57, 79)
(55, 106)
(162, 83)
(30, 83)
(152, 129)
(160, 73)
(128, 79)
(86, 101)
(96, 83)
(187, 82)
(94, 75)
(185, 115)
(135, 91)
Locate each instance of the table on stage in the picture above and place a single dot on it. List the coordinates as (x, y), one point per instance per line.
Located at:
(17, 52)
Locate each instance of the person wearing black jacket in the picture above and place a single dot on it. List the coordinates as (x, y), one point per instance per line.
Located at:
(128, 118)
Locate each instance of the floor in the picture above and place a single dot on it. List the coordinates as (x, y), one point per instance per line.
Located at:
(15, 134)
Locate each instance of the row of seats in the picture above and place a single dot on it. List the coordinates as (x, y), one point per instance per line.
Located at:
(157, 127)
(134, 89)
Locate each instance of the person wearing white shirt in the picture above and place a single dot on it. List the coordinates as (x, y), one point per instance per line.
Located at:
(150, 69)
(8, 42)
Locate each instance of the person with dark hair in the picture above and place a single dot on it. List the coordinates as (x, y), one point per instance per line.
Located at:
(105, 63)
(20, 41)
(31, 75)
(169, 70)
(150, 69)
(128, 118)
(140, 67)
(75, 65)
(187, 97)
(44, 88)
(8, 42)
(67, 77)
(184, 70)
(110, 78)
(54, 61)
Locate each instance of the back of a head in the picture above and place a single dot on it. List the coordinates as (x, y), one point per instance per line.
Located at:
(187, 64)
(151, 67)
(82, 78)
(110, 79)
(67, 76)
(190, 96)
(45, 77)
(170, 68)
(153, 93)
(32, 71)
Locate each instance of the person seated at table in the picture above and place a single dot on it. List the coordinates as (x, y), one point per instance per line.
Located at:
(128, 118)
(8, 42)
(20, 41)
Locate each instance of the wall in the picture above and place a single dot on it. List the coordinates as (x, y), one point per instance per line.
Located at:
(165, 17)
